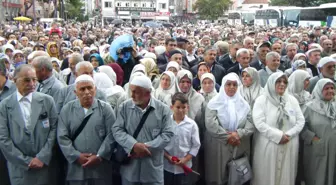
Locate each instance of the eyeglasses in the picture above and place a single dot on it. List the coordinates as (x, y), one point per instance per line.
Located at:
(27, 80)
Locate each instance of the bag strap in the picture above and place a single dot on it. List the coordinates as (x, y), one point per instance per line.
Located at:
(142, 122)
(234, 152)
(82, 125)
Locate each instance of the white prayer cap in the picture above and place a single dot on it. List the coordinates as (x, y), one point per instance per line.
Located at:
(84, 78)
(142, 81)
(324, 61)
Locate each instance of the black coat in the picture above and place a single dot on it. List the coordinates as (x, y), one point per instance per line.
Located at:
(256, 65)
(162, 61)
(235, 69)
(313, 69)
(226, 62)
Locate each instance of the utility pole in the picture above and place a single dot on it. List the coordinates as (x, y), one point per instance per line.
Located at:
(34, 12)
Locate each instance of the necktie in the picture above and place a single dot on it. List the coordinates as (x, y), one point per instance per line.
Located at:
(39, 88)
(26, 109)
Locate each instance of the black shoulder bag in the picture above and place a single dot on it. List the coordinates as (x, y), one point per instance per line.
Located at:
(119, 154)
(82, 126)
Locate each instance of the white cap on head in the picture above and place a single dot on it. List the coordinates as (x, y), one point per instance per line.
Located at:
(142, 81)
(84, 78)
(324, 61)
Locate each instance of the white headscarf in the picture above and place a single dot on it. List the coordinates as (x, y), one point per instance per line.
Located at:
(194, 98)
(174, 65)
(161, 93)
(319, 105)
(126, 87)
(208, 96)
(276, 99)
(251, 93)
(109, 72)
(104, 83)
(296, 86)
(139, 67)
(230, 110)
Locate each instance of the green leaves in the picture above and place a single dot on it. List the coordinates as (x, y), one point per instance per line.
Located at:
(211, 9)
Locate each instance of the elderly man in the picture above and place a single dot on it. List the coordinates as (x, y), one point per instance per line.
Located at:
(327, 48)
(69, 73)
(85, 136)
(216, 69)
(272, 65)
(248, 43)
(314, 56)
(243, 59)
(27, 130)
(67, 94)
(48, 84)
(7, 88)
(260, 61)
(146, 165)
(229, 60)
(287, 60)
(327, 70)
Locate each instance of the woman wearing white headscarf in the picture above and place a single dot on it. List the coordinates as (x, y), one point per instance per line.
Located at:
(227, 127)
(184, 79)
(298, 83)
(298, 64)
(208, 86)
(166, 86)
(278, 119)
(173, 67)
(112, 92)
(251, 88)
(319, 135)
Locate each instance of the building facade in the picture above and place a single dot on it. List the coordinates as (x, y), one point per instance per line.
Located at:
(9, 9)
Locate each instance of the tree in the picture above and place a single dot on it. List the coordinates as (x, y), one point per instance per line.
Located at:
(211, 9)
(74, 9)
(301, 3)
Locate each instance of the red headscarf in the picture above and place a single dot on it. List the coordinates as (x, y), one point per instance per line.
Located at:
(119, 72)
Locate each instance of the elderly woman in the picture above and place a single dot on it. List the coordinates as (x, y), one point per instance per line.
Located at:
(173, 67)
(96, 61)
(166, 87)
(18, 58)
(319, 135)
(56, 64)
(251, 88)
(208, 86)
(298, 83)
(52, 50)
(152, 71)
(278, 119)
(227, 128)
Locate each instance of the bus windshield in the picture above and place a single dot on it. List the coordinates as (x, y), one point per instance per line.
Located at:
(291, 17)
(268, 17)
(248, 18)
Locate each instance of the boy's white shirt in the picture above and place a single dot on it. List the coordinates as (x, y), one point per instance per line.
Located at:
(185, 141)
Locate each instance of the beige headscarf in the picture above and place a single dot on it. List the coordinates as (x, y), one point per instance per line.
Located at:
(251, 93)
(213, 93)
(161, 93)
(151, 68)
(296, 86)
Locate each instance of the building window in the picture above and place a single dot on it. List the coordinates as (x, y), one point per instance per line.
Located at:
(127, 4)
(151, 5)
(143, 4)
(118, 4)
(108, 4)
(162, 5)
(135, 5)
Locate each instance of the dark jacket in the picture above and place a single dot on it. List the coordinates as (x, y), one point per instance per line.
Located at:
(256, 65)
(226, 62)
(235, 69)
(127, 68)
(313, 69)
(217, 70)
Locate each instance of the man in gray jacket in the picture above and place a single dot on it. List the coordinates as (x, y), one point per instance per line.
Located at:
(67, 94)
(146, 151)
(272, 66)
(27, 130)
(48, 84)
(89, 149)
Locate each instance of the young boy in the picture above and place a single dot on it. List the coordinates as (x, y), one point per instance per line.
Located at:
(184, 145)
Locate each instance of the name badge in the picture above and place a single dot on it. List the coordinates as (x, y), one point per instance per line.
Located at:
(45, 123)
(291, 112)
(155, 132)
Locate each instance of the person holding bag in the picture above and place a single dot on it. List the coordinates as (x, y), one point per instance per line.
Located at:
(227, 129)
(146, 151)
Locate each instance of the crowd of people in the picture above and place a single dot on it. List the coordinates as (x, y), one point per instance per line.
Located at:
(85, 105)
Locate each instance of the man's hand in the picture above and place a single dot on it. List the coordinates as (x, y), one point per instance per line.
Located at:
(92, 161)
(36, 164)
(140, 150)
(315, 138)
(83, 158)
